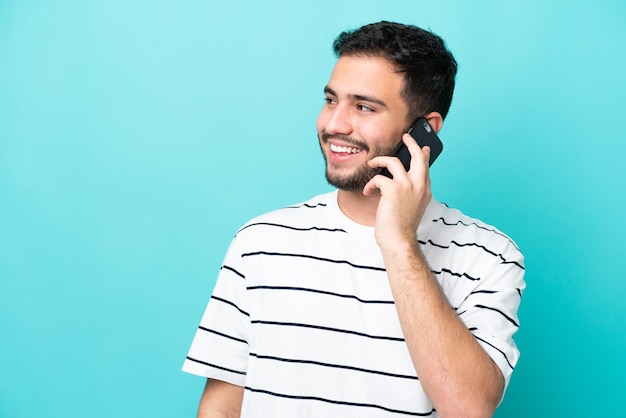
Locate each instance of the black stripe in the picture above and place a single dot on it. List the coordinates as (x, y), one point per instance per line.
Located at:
(512, 262)
(313, 228)
(231, 304)
(444, 270)
(323, 292)
(477, 226)
(496, 348)
(306, 205)
(500, 312)
(336, 402)
(215, 366)
(472, 244)
(314, 258)
(222, 334)
(488, 292)
(234, 271)
(319, 327)
(484, 291)
(518, 290)
(336, 366)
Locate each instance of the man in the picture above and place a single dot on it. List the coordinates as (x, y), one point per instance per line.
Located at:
(375, 300)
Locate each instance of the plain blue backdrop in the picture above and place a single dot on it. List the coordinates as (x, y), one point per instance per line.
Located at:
(136, 136)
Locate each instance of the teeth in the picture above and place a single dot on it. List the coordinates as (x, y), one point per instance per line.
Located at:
(344, 150)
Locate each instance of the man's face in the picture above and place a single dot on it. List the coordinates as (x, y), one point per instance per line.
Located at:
(364, 116)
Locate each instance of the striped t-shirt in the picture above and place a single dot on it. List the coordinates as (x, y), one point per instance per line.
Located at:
(302, 315)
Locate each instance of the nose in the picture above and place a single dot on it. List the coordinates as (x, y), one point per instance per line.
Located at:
(338, 121)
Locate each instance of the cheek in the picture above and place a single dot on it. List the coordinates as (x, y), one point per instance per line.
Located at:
(384, 136)
(394, 131)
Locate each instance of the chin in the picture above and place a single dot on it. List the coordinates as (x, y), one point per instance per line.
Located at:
(351, 182)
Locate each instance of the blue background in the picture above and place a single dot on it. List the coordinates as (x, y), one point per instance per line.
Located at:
(135, 137)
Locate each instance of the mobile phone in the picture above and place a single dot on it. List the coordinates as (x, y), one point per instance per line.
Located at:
(424, 135)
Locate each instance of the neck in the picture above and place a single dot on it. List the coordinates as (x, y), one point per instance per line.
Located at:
(358, 207)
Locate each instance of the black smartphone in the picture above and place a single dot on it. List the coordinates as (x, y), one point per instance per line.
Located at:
(424, 135)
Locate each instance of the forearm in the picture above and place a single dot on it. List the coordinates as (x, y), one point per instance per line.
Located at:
(455, 372)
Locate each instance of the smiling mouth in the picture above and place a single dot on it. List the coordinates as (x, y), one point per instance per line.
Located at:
(344, 150)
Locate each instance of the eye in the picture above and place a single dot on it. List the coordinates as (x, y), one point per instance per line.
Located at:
(329, 101)
(364, 108)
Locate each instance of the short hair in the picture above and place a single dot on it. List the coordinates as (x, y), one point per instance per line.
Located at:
(429, 67)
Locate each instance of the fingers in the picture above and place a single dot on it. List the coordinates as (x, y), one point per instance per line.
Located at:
(419, 167)
(373, 185)
(420, 156)
(377, 182)
(392, 164)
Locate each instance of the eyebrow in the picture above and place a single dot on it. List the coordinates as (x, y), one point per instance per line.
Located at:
(357, 97)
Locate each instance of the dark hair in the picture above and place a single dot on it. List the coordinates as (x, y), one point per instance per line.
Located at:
(429, 68)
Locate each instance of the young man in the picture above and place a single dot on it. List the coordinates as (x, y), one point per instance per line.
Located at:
(374, 300)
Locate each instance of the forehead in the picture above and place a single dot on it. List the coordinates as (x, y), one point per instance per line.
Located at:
(368, 77)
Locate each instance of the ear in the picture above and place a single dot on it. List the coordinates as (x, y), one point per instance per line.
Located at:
(434, 120)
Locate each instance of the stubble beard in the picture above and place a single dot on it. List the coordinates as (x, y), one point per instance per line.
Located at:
(356, 180)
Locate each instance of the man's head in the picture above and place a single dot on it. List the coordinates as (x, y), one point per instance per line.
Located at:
(428, 67)
(386, 76)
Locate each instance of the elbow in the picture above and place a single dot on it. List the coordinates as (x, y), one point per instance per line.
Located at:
(480, 410)
(477, 404)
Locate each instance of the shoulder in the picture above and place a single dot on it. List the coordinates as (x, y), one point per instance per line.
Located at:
(454, 227)
(302, 215)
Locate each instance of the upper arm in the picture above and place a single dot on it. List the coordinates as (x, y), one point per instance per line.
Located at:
(220, 400)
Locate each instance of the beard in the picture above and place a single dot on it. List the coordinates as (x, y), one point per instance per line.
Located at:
(351, 182)
(356, 180)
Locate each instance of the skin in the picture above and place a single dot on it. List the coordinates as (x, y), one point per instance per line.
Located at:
(220, 400)
(365, 111)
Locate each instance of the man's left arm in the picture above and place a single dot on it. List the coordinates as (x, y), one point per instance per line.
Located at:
(456, 373)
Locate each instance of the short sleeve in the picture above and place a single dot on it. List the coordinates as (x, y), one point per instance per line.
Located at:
(220, 347)
(490, 311)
